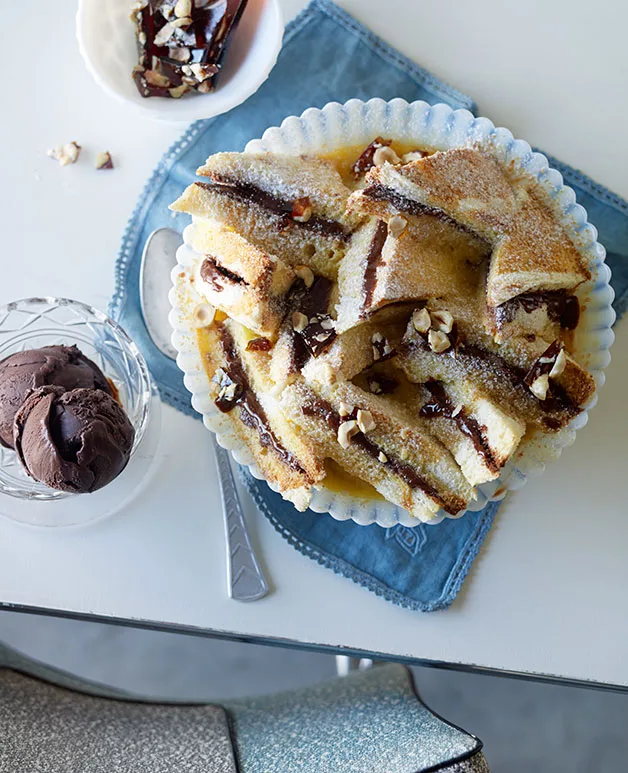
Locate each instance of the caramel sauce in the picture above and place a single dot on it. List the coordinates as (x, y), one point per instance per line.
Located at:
(341, 482)
(344, 158)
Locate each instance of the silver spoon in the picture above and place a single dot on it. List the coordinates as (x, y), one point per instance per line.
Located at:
(245, 578)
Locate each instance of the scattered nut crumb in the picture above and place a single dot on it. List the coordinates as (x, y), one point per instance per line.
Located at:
(103, 160)
(540, 386)
(442, 320)
(375, 387)
(301, 210)
(178, 91)
(164, 35)
(346, 431)
(421, 320)
(438, 341)
(299, 321)
(559, 365)
(384, 154)
(183, 8)
(65, 154)
(155, 78)
(382, 457)
(344, 409)
(396, 226)
(365, 421)
(306, 274)
(413, 155)
(184, 21)
(456, 410)
(204, 315)
(181, 54)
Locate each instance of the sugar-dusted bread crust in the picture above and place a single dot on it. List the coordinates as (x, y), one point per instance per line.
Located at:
(395, 435)
(531, 250)
(232, 196)
(245, 282)
(287, 458)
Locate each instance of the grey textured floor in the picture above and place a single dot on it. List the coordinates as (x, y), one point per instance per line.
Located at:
(525, 726)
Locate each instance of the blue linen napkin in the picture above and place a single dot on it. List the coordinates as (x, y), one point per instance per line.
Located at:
(328, 56)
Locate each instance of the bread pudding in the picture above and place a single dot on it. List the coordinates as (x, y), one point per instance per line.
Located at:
(389, 314)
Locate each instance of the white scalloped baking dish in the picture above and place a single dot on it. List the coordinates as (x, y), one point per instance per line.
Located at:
(438, 127)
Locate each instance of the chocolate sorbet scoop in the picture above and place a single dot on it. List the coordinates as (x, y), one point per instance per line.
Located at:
(76, 441)
(63, 366)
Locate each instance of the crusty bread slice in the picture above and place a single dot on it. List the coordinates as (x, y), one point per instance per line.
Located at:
(290, 206)
(428, 258)
(245, 282)
(240, 386)
(469, 187)
(479, 434)
(534, 255)
(380, 443)
(474, 362)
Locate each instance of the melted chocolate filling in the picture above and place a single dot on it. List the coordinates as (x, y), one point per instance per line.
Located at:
(372, 261)
(412, 207)
(215, 274)
(252, 413)
(562, 309)
(439, 404)
(557, 402)
(259, 345)
(323, 410)
(365, 160)
(280, 208)
(314, 303)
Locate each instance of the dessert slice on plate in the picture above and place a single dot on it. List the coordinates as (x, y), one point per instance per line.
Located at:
(380, 443)
(400, 257)
(240, 388)
(534, 382)
(290, 206)
(238, 278)
(470, 190)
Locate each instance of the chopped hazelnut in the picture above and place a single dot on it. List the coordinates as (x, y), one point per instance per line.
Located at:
(384, 154)
(559, 365)
(442, 320)
(178, 91)
(346, 431)
(204, 315)
(382, 457)
(65, 154)
(540, 386)
(306, 274)
(202, 71)
(183, 8)
(413, 155)
(344, 409)
(301, 210)
(396, 226)
(103, 160)
(375, 387)
(184, 21)
(377, 337)
(299, 321)
(438, 341)
(421, 320)
(327, 323)
(154, 78)
(164, 34)
(181, 54)
(205, 87)
(365, 421)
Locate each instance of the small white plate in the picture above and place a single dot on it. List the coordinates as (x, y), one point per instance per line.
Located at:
(106, 39)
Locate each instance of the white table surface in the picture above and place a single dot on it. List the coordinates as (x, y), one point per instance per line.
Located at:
(547, 593)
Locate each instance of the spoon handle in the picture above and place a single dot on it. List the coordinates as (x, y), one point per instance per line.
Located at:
(246, 581)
